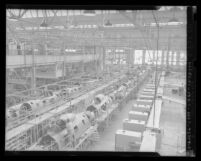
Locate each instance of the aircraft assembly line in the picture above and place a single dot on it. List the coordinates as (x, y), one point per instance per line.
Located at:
(95, 80)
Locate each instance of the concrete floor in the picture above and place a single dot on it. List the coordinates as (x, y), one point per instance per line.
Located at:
(175, 79)
(107, 138)
(173, 122)
(168, 92)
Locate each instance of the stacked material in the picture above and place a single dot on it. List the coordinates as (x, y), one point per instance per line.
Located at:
(149, 142)
(152, 135)
(147, 93)
(134, 125)
(152, 139)
(127, 140)
(148, 90)
(150, 86)
(154, 118)
(135, 115)
(146, 97)
(144, 102)
(141, 108)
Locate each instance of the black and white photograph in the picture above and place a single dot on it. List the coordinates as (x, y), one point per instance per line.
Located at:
(96, 80)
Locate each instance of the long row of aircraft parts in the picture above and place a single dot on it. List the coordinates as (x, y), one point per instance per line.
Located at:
(58, 129)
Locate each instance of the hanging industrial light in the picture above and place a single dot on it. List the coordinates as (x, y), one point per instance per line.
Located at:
(67, 24)
(13, 18)
(175, 8)
(44, 23)
(89, 12)
(68, 21)
(174, 19)
(74, 20)
(108, 23)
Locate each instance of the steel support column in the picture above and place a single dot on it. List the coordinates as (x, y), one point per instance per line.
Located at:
(45, 47)
(162, 58)
(172, 58)
(143, 57)
(154, 58)
(64, 70)
(167, 59)
(128, 56)
(33, 69)
(133, 57)
(177, 58)
(104, 57)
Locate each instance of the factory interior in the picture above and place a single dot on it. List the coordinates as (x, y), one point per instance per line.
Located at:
(96, 80)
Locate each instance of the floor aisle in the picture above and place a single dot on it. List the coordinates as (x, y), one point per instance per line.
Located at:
(173, 122)
(107, 138)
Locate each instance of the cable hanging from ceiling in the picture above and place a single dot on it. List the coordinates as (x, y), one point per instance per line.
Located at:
(156, 79)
